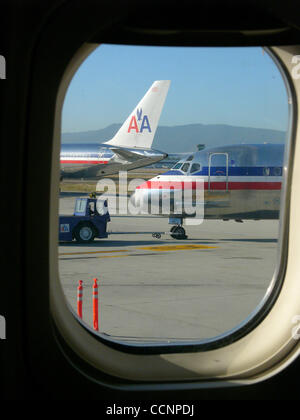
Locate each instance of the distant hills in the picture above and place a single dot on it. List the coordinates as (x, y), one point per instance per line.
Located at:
(184, 138)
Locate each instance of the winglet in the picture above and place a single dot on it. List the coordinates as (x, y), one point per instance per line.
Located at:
(140, 127)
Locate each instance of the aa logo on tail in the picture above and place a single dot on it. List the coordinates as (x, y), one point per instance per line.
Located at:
(145, 125)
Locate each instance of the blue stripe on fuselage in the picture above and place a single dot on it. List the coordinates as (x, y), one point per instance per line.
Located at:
(233, 171)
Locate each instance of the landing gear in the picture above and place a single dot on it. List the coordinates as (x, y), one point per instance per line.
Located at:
(178, 232)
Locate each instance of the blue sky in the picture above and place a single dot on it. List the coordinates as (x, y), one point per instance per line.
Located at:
(234, 86)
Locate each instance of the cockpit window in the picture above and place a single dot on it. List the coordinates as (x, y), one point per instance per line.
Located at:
(195, 167)
(177, 166)
(185, 167)
(190, 158)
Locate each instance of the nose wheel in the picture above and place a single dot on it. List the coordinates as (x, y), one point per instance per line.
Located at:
(178, 232)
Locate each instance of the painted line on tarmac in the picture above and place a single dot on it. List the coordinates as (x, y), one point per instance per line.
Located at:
(176, 247)
(114, 256)
(145, 248)
(157, 248)
(94, 252)
(145, 254)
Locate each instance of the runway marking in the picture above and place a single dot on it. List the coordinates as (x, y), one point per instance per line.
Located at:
(156, 248)
(175, 247)
(114, 256)
(94, 252)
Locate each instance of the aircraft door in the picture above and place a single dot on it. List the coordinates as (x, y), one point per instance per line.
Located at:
(218, 171)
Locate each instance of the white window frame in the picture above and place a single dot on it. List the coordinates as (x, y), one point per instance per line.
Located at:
(237, 357)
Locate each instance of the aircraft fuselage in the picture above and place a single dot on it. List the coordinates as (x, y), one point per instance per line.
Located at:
(96, 160)
(238, 182)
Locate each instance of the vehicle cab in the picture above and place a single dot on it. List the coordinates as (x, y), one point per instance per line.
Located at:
(89, 221)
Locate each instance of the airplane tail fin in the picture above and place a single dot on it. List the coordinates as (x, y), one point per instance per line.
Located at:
(140, 127)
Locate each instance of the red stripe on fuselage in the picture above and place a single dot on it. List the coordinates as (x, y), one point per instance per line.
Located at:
(155, 185)
(92, 162)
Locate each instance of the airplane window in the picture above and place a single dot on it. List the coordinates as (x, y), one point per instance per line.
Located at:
(167, 273)
(277, 171)
(177, 166)
(195, 167)
(185, 167)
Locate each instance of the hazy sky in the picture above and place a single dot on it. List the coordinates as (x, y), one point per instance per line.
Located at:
(235, 86)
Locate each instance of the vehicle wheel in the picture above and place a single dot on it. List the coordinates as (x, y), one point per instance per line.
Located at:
(178, 232)
(84, 233)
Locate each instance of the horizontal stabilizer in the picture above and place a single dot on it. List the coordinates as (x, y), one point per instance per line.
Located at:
(126, 154)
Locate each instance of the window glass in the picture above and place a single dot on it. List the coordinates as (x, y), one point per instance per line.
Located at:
(177, 166)
(80, 205)
(167, 272)
(185, 167)
(195, 167)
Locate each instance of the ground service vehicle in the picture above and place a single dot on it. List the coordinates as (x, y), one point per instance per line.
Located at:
(86, 223)
(47, 353)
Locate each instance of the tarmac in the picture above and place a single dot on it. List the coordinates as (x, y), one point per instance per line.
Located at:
(166, 289)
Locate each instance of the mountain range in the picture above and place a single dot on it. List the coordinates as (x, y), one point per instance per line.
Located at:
(185, 138)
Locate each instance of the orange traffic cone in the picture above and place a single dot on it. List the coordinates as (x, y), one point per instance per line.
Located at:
(95, 305)
(79, 299)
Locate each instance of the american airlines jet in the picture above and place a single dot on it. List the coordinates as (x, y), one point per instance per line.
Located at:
(238, 182)
(130, 148)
